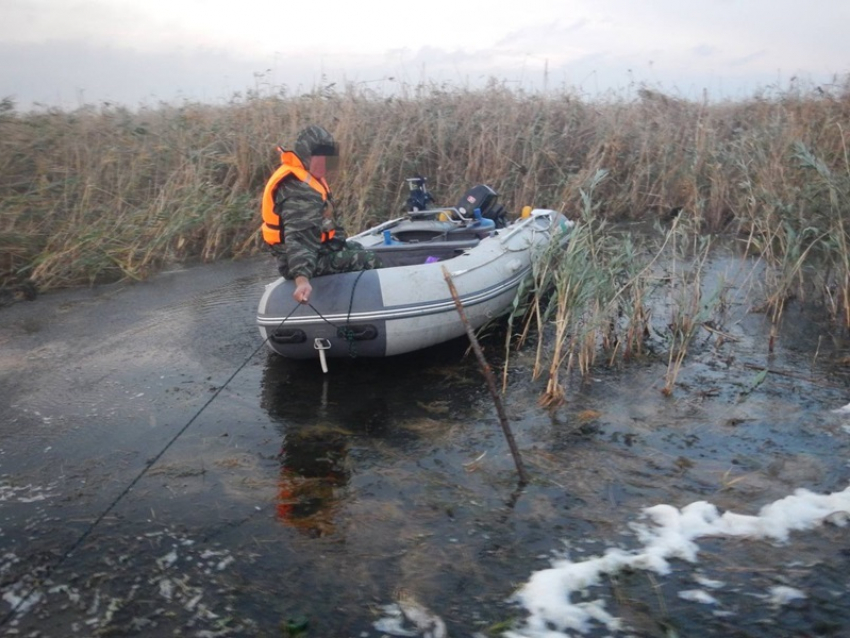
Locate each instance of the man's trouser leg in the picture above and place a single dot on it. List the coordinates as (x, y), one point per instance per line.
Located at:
(352, 257)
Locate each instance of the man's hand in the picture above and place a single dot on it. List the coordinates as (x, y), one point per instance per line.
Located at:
(302, 289)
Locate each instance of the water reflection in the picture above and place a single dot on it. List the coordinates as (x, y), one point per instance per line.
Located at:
(320, 416)
(312, 472)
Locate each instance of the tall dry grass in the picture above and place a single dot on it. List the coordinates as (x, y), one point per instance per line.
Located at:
(106, 192)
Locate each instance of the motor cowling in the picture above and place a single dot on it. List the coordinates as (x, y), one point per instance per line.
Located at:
(486, 200)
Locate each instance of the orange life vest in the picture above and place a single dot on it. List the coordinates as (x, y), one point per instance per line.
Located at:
(290, 164)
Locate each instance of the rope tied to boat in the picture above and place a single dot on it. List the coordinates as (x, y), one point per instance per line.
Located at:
(343, 331)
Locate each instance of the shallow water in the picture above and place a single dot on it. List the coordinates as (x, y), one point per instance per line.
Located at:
(298, 500)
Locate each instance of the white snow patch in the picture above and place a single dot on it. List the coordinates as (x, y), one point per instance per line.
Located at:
(25, 493)
(844, 409)
(708, 582)
(409, 618)
(698, 596)
(166, 588)
(669, 534)
(168, 560)
(21, 601)
(223, 564)
(782, 595)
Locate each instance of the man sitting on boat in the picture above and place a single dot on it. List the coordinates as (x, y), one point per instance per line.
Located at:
(298, 223)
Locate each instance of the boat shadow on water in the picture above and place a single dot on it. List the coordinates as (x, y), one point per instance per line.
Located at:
(358, 404)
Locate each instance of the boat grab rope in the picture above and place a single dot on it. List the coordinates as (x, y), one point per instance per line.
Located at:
(148, 465)
(343, 331)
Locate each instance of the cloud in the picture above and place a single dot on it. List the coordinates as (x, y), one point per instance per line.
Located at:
(533, 37)
(36, 21)
(69, 74)
(704, 50)
(55, 51)
(747, 59)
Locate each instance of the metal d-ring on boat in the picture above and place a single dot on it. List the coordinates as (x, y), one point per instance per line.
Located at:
(322, 346)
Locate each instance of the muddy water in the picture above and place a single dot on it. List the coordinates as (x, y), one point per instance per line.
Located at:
(298, 503)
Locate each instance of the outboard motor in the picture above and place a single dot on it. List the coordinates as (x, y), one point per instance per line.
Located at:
(418, 198)
(486, 199)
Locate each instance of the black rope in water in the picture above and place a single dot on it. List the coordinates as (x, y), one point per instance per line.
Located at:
(133, 483)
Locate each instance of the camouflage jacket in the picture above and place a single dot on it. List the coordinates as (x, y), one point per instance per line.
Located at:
(303, 218)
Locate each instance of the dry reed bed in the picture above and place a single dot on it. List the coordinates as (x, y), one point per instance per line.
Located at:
(103, 193)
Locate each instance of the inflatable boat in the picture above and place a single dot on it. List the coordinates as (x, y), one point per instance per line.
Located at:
(407, 305)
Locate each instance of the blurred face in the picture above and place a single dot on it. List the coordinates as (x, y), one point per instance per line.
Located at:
(321, 165)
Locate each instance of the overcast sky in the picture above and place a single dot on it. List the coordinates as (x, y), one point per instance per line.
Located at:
(70, 52)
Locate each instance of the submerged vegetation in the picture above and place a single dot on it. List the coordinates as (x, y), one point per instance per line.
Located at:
(103, 193)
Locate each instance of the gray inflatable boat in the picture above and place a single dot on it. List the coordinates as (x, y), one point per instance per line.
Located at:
(407, 305)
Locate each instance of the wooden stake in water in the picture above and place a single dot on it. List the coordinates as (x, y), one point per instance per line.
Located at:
(491, 381)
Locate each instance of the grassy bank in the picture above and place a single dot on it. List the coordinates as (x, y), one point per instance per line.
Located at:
(105, 193)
